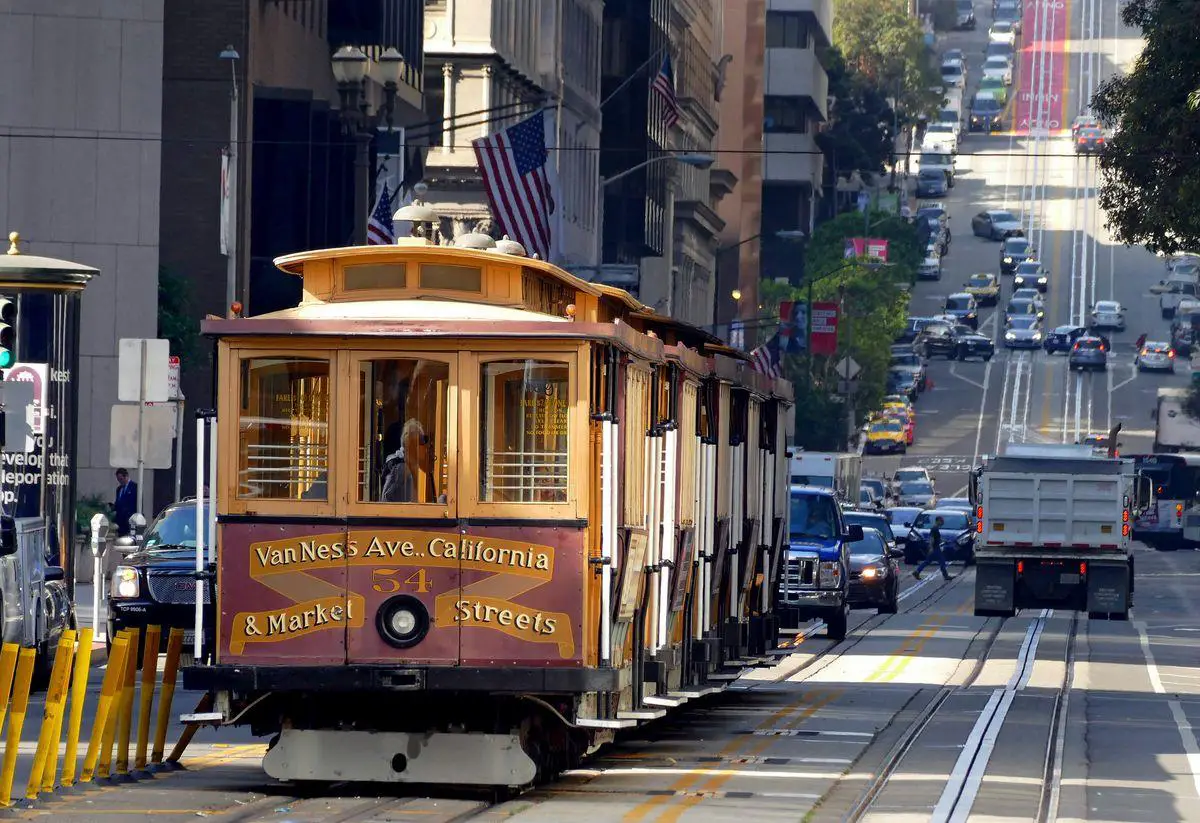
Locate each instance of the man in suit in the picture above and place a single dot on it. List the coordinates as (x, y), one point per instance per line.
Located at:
(125, 502)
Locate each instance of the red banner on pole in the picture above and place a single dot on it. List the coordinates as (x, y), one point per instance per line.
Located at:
(872, 248)
(824, 328)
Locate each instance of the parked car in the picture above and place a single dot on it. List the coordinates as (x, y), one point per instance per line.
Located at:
(996, 224)
(874, 572)
(930, 269)
(910, 360)
(913, 329)
(877, 485)
(1088, 353)
(155, 584)
(954, 74)
(904, 381)
(931, 183)
(964, 15)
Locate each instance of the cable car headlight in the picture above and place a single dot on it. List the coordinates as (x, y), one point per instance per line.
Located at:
(402, 621)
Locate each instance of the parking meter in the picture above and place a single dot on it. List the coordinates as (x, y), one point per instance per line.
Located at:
(99, 536)
(137, 525)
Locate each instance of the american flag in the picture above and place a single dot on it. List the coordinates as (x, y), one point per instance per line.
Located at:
(765, 359)
(380, 231)
(513, 165)
(664, 87)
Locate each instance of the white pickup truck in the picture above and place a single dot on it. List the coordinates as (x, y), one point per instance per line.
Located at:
(1054, 525)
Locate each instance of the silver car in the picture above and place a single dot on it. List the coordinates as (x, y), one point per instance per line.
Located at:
(1108, 314)
(1156, 356)
(917, 493)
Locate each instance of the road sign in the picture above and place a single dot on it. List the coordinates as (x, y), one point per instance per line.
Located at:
(156, 441)
(143, 382)
(173, 378)
(847, 369)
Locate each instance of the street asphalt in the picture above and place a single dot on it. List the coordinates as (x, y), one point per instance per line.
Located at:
(931, 713)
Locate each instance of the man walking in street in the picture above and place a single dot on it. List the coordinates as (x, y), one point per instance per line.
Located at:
(935, 551)
(125, 502)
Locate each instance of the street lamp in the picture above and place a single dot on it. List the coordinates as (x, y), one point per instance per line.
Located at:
(352, 68)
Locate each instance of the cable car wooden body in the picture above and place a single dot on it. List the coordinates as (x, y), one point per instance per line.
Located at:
(475, 515)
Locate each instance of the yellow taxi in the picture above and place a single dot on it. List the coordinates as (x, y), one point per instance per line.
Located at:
(886, 436)
(984, 287)
(897, 402)
(910, 424)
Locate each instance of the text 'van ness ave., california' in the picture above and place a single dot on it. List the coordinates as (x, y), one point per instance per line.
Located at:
(325, 551)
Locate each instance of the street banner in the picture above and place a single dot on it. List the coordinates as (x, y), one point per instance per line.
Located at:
(793, 326)
(824, 328)
(872, 248)
(226, 205)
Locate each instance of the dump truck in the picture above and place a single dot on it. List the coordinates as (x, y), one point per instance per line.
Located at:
(1054, 529)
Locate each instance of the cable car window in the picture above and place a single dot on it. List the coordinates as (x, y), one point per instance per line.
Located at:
(375, 276)
(403, 421)
(283, 428)
(525, 417)
(451, 278)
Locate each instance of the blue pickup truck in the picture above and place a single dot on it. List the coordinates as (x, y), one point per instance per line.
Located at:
(816, 574)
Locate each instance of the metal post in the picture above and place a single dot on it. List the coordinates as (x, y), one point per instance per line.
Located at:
(99, 527)
(179, 423)
(141, 462)
(669, 244)
(231, 260)
(200, 424)
(211, 497)
(362, 184)
(599, 226)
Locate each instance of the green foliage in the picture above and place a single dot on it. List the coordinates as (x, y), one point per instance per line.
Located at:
(885, 48)
(1151, 186)
(875, 307)
(85, 508)
(854, 138)
(177, 321)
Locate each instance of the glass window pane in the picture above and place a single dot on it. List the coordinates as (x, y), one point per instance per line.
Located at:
(402, 430)
(375, 276)
(283, 430)
(453, 278)
(524, 439)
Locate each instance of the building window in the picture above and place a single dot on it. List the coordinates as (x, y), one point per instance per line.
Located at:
(283, 430)
(785, 114)
(786, 30)
(526, 413)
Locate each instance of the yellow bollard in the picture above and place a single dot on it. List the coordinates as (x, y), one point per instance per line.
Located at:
(125, 717)
(189, 731)
(79, 681)
(170, 672)
(51, 771)
(114, 676)
(149, 675)
(8, 667)
(20, 704)
(55, 695)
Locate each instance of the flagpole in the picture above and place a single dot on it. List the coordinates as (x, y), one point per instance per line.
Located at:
(658, 53)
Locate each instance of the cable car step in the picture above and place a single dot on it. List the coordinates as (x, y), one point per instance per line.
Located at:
(699, 691)
(642, 714)
(664, 700)
(598, 723)
(727, 676)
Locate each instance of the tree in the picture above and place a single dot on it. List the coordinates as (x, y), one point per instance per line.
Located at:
(875, 308)
(176, 320)
(1151, 185)
(885, 48)
(855, 138)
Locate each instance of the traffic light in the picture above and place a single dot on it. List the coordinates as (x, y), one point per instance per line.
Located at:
(8, 332)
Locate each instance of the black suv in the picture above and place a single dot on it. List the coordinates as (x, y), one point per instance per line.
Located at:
(986, 115)
(937, 338)
(155, 584)
(1013, 252)
(970, 343)
(913, 329)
